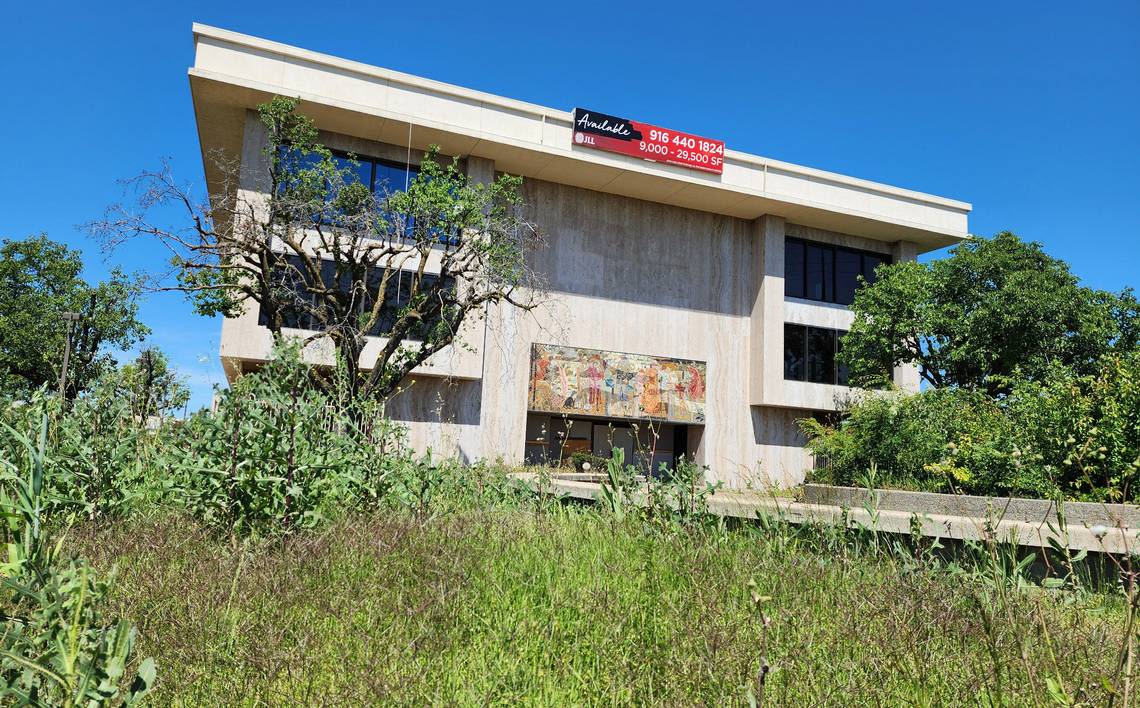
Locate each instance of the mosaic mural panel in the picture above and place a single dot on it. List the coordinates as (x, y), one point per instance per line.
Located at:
(579, 381)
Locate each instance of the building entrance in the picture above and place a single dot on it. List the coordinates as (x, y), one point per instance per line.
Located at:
(560, 441)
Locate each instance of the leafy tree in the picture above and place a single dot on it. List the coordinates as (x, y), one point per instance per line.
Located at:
(39, 281)
(995, 309)
(325, 258)
(149, 384)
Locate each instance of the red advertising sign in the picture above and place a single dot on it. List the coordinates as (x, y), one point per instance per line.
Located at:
(627, 137)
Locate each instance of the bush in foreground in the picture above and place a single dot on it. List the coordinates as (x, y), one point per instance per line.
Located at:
(1068, 435)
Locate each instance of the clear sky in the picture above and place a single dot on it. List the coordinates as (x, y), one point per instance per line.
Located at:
(1028, 110)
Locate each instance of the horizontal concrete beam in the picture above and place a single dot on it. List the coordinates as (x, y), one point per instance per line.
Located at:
(752, 505)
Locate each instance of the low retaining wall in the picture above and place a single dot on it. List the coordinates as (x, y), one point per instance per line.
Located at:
(923, 517)
(1039, 511)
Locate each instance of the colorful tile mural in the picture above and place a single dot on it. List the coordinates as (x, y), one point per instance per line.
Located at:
(579, 381)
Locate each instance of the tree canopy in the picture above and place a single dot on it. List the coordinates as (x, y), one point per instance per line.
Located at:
(40, 279)
(324, 257)
(148, 384)
(995, 309)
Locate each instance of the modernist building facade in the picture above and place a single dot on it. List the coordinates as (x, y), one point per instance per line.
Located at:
(688, 311)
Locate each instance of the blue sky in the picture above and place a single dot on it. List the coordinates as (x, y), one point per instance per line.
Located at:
(1028, 110)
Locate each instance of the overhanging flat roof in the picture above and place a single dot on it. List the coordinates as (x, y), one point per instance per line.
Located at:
(233, 73)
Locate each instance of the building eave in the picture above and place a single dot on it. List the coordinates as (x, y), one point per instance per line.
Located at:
(233, 73)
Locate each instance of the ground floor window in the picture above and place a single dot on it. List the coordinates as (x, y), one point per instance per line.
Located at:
(568, 441)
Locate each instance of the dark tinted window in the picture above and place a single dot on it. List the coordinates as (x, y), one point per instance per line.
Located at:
(841, 373)
(379, 175)
(848, 268)
(392, 178)
(870, 263)
(818, 271)
(820, 275)
(810, 355)
(361, 171)
(794, 268)
(303, 314)
(289, 290)
(821, 355)
(794, 351)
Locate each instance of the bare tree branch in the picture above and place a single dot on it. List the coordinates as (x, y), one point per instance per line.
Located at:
(323, 258)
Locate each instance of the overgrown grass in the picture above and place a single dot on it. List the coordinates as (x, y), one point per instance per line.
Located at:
(290, 550)
(569, 606)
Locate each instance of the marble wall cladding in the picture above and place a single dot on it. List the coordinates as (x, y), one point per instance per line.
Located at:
(440, 415)
(630, 276)
(625, 275)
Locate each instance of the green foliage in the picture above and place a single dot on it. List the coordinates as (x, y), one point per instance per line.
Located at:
(940, 440)
(996, 310)
(56, 648)
(99, 452)
(150, 385)
(39, 281)
(1077, 436)
(680, 494)
(617, 489)
(581, 457)
(278, 454)
(1082, 432)
(319, 250)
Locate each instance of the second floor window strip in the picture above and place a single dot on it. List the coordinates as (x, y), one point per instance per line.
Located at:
(381, 176)
(827, 273)
(307, 308)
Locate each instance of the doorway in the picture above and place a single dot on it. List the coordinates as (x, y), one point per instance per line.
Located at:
(608, 437)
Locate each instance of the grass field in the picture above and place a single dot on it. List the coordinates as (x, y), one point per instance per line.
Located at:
(568, 606)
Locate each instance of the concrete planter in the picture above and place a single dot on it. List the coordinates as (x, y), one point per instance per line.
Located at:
(596, 477)
(1038, 511)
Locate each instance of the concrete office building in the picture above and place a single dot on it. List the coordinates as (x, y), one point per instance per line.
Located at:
(703, 304)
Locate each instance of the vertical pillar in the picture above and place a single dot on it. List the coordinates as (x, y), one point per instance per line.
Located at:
(766, 329)
(480, 170)
(502, 408)
(906, 377)
(766, 339)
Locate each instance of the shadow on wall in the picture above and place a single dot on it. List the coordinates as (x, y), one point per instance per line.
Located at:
(618, 248)
(780, 444)
(437, 400)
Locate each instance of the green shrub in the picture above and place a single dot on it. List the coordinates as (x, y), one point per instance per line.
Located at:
(1078, 436)
(99, 453)
(279, 454)
(597, 462)
(1082, 433)
(940, 440)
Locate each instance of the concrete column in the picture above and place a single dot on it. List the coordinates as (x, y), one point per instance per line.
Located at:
(906, 377)
(502, 409)
(904, 251)
(766, 330)
(252, 195)
(480, 170)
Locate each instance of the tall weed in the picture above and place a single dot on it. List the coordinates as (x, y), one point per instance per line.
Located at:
(57, 647)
